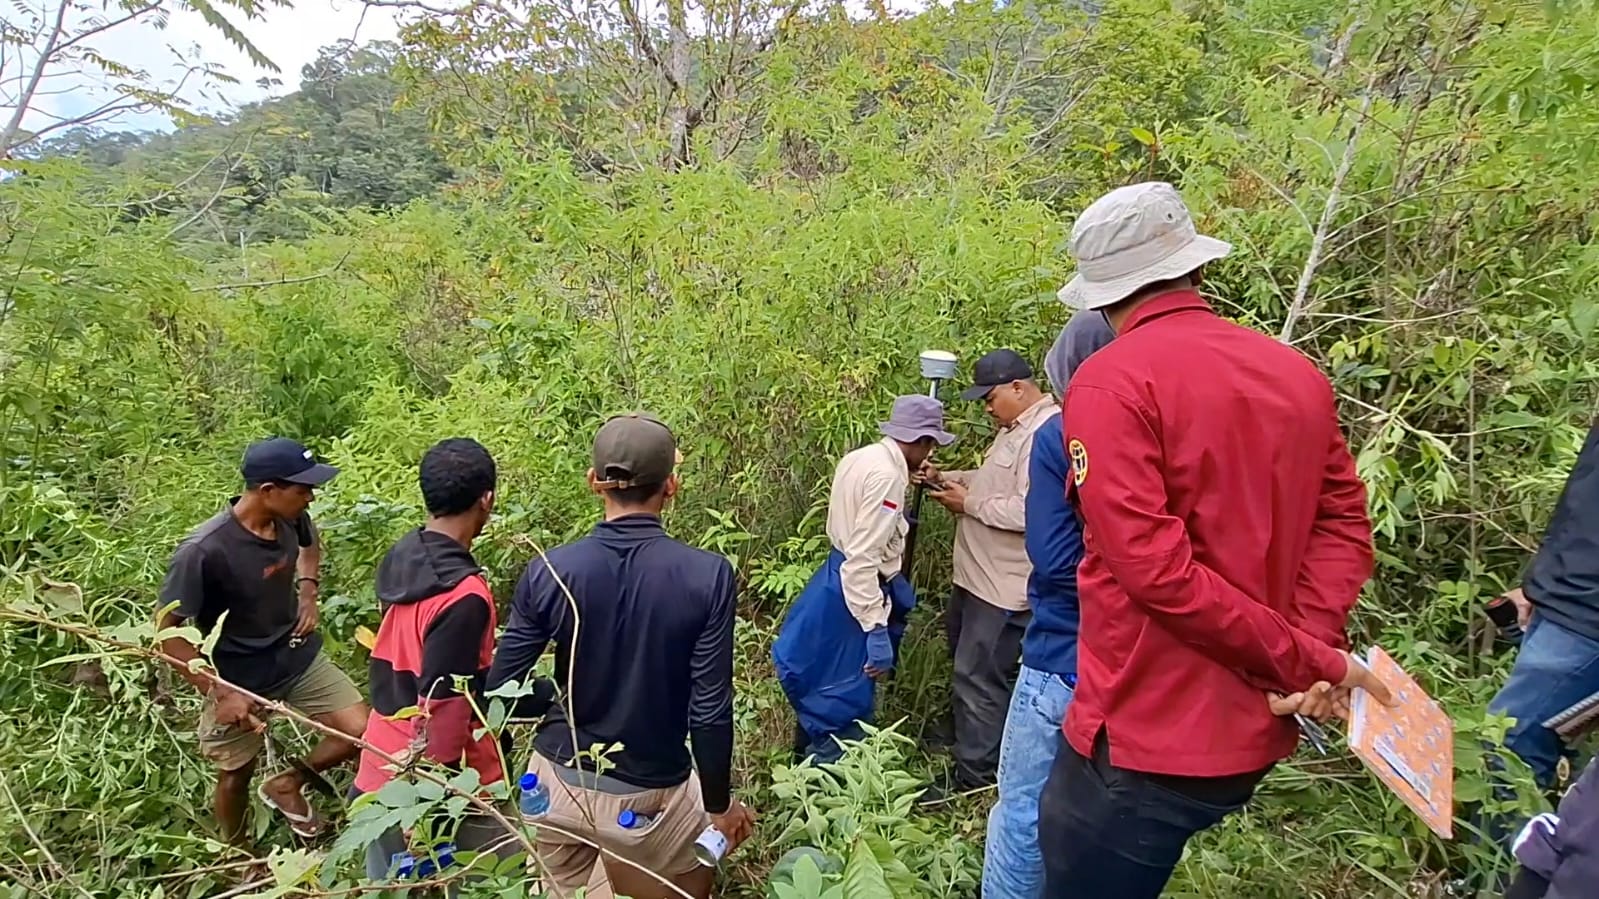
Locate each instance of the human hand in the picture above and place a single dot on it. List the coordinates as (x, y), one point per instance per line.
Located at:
(234, 709)
(308, 614)
(737, 823)
(1317, 703)
(927, 474)
(1518, 598)
(1360, 677)
(952, 496)
(879, 653)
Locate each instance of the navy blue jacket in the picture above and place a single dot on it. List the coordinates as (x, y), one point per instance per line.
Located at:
(653, 659)
(1054, 546)
(820, 651)
(1563, 579)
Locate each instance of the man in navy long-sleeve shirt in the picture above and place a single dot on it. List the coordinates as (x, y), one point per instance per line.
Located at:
(1014, 868)
(644, 639)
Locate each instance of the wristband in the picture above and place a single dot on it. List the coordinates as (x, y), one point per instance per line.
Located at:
(300, 580)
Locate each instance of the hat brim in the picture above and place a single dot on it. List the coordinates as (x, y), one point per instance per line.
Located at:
(316, 475)
(1080, 293)
(977, 391)
(911, 435)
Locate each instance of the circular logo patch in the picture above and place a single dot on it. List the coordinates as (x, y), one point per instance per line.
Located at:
(1079, 456)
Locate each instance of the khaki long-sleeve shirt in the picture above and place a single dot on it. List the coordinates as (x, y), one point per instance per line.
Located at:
(866, 522)
(990, 552)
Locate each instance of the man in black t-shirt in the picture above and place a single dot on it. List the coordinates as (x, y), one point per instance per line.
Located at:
(251, 570)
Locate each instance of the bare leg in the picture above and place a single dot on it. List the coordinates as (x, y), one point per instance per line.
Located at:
(331, 752)
(232, 800)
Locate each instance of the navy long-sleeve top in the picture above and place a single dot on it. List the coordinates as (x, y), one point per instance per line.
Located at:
(649, 654)
(1054, 546)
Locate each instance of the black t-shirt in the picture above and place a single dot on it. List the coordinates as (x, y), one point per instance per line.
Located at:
(223, 567)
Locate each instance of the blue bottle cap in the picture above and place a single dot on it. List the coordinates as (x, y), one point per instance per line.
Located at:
(529, 782)
(627, 818)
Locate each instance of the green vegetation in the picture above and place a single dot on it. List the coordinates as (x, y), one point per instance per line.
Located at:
(749, 219)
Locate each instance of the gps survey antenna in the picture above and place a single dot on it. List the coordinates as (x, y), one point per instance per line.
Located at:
(938, 366)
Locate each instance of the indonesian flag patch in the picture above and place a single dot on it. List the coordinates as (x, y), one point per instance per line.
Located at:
(890, 506)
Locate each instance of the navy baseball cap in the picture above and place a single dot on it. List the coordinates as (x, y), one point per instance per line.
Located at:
(996, 369)
(282, 459)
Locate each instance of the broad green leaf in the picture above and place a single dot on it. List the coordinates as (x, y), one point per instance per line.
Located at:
(863, 875)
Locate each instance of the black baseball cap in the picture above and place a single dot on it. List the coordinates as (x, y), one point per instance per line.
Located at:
(996, 369)
(282, 459)
(633, 450)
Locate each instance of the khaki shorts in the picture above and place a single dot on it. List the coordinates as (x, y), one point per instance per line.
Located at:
(665, 846)
(322, 690)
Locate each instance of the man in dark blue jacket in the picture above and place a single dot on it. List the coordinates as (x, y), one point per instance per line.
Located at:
(643, 632)
(1014, 867)
(1558, 604)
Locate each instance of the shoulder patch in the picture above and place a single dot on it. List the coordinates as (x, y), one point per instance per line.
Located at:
(1078, 454)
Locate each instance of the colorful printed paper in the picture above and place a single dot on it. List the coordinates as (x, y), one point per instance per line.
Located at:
(1410, 746)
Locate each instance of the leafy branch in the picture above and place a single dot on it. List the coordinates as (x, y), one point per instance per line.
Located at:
(473, 797)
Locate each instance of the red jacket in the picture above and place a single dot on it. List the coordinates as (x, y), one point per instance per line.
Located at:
(1226, 539)
(438, 628)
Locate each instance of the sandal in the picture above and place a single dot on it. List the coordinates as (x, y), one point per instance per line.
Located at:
(307, 826)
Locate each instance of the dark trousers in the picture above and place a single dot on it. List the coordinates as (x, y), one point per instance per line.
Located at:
(1110, 832)
(827, 749)
(1528, 885)
(988, 655)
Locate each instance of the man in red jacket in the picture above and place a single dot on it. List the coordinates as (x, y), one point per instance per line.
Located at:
(437, 632)
(1226, 539)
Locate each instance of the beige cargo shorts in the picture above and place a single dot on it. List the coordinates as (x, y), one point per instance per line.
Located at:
(322, 690)
(664, 846)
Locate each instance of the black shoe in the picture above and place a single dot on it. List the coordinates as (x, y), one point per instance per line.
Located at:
(939, 737)
(933, 793)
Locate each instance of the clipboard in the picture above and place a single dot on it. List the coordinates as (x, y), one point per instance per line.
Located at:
(1410, 746)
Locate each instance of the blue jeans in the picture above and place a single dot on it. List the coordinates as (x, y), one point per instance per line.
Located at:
(1554, 669)
(1014, 867)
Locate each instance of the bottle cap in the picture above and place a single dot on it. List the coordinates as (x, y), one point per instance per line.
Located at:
(627, 818)
(529, 782)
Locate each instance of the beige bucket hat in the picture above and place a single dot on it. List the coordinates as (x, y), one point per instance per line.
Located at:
(1132, 237)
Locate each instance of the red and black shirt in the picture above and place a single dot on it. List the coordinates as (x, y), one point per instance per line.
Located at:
(438, 625)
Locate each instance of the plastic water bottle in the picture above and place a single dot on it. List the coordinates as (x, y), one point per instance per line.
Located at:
(443, 857)
(631, 820)
(535, 796)
(403, 864)
(710, 847)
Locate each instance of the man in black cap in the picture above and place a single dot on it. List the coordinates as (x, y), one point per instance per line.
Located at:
(988, 611)
(256, 563)
(643, 632)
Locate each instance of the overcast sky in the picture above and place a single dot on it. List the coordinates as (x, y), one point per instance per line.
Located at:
(290, 37)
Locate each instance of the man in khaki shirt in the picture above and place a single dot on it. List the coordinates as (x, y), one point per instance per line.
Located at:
(842, 632)
(988, 606)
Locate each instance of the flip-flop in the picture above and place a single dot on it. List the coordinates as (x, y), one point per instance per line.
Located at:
(307, 826)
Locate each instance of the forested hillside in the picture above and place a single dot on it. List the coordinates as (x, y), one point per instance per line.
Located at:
(270, 171)
(749, 217)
